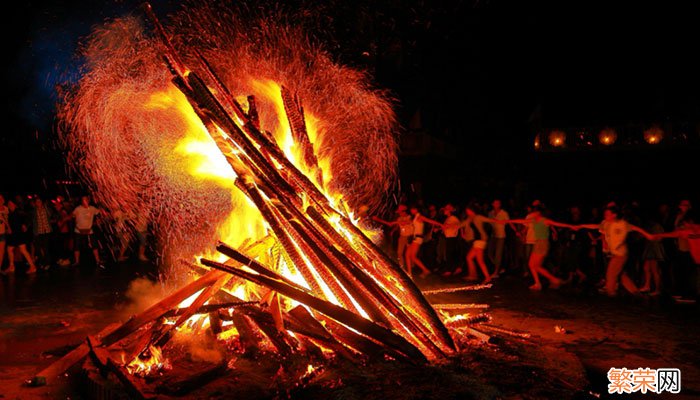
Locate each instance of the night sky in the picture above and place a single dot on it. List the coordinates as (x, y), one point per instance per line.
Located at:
(476, 70)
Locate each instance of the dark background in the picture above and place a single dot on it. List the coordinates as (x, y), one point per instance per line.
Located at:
(474, 82)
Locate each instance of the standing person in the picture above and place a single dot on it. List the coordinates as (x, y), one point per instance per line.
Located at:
(63, 232)
(19, 237)
(530, 235)
(497, 241)
(615, 230)
(405, 225)
(451, 231)
(689, 230)
(41, 227)
(540, 227)
(84, 216)
(4, 228)
(416, 240)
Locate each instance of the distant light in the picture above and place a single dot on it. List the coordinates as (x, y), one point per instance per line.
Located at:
(557, 138)
(537, 141)
(607, 136)
(653, 135)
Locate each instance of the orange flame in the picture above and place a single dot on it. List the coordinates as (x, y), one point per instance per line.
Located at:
(155, 363)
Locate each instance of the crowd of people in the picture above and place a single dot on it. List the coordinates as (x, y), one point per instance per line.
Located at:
(648, 253)
(54, 233)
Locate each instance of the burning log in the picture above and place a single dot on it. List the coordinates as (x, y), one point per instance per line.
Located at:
(49, 374)
(458, 289)
(297, 124)
(460, 306)
(467, 321)
(186, 385)
(373, 257)
(510, 332)
(214, 323)
(285, 344)
(163, 335)
(99, 355)
(239, 257)
(209, 308)
(370, 348)
(301, 321)
(265, 322)
(246, 335)
(162, 307)
(477, 334)
(133, 387)
(365, 326)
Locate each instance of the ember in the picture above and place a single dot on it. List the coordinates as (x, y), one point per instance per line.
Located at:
(295, 273)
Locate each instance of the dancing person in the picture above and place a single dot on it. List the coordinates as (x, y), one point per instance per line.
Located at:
(84, 216)
(529, 235)
(540, 231)
(450, 230)
(416, 241)
(476, 252)
(405, 224)
(615, 231)
(689, 231)
(19, 237)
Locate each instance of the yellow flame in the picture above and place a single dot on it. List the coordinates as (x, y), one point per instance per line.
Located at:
(204, 162)
(152, 364)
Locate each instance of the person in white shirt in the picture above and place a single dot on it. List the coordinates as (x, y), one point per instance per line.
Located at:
(615, 230)
(419, 222)
(84, 216)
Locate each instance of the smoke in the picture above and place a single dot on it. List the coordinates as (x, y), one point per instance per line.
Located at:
(201, 347)
(141, 294)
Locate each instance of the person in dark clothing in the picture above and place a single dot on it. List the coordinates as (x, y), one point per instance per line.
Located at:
(576, 246)
(19, 237)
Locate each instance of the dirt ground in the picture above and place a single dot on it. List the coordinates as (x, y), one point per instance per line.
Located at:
(41, 316)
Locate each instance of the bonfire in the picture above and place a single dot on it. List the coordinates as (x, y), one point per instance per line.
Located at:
(251, 150)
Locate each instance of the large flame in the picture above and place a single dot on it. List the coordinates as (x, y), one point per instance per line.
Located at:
(147, 147)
